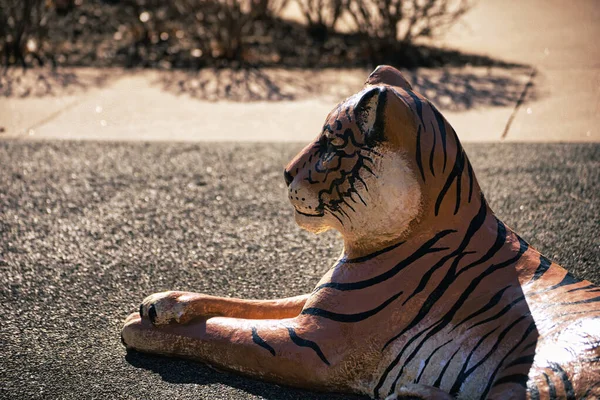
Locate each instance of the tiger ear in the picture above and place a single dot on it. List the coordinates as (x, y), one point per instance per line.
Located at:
(369, 113)
(384, 74)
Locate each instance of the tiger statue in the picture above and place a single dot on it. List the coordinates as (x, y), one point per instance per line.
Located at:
(433, 296)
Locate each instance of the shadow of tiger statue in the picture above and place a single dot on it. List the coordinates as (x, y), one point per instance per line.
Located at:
(433, 296)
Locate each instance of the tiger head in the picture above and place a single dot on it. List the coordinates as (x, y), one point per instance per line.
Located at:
(381, 167)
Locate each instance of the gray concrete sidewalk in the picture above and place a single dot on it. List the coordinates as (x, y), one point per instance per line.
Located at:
(144, 105)
(555, 96)
(559, 40)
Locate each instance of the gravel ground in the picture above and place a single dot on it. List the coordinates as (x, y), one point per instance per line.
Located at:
(88, 229)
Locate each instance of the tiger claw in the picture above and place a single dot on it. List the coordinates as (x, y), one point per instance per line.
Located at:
(166, 308)
(152, 314)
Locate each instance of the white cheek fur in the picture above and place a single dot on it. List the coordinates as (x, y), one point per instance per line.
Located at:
(392, 201)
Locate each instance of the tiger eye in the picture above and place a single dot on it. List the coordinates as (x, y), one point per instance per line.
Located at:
(337, 141)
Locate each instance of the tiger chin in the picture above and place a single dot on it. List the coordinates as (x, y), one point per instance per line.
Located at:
(433, 297)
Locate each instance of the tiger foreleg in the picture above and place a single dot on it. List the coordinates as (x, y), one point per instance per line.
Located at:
(419, 392)
(181, 307)
(282, 351)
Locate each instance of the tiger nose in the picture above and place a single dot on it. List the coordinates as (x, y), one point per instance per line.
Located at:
(288, 177)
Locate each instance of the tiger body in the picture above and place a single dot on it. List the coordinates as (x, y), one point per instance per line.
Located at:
(447, 334)
(433, 296)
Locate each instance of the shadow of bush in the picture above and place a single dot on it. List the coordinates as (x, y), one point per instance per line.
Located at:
(453, 89)
(41, 82)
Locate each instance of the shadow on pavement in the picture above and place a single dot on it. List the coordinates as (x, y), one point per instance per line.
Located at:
(452, 88)
(462, 89)
(178, 371)
(453, 80)
(42, 82)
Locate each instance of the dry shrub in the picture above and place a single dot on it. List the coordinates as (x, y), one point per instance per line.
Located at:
(217, 28)
(23, 30)
(268, 8)
(390, 22)
(222, 25)
(321, 15)
(199, 33)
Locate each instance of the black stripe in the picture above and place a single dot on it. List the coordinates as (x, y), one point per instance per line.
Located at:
(501, 312)
(427, 275)
(438, 381)
(471, 179)
(473, 227)
(532, 389)
(571, 313)
(568, 279)
(541, 269)
(568, 386)
(529, 329)
(418, 104)
(442, 128)
(361, 109)
(456, 170)
(463, 373)
(466, 373)
(475, 224)
(455, 136)
(496, 247)
(551, 387)
(422, 251)
(490, 304)
(522, 360)
(370, 256)
(429, 359)
(442, 323)
(418, 155)
(590, 286)
(393, 364)
(260, 341)
(349, 317)
(306, 343)
(530, 345)
(589, 391)
(572, 303)
(459, 184)
(519, 379)
(432, 150)
(378, 133)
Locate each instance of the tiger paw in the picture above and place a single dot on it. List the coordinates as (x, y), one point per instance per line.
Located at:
(169, 307)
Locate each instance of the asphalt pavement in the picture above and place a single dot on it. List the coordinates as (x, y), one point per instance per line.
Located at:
(88, 229)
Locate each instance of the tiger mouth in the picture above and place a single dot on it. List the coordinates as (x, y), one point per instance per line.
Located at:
(309, 215)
